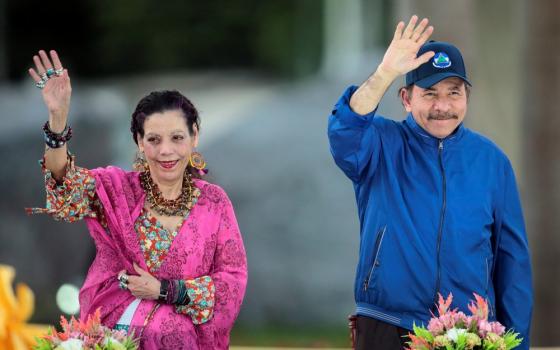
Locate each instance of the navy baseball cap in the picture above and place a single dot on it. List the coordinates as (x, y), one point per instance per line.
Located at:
(447, 62)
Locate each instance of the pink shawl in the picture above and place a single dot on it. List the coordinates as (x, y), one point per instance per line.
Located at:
(208, 243)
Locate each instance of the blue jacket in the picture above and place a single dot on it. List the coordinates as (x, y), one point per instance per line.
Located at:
(436, 216)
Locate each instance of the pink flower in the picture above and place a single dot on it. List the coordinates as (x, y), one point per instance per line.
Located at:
(471, 323)
(436, 327)
(497, 328)
(460, 319)
(484, 328)
(448, 320)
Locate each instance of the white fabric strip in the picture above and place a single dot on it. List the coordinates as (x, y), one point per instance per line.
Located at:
(126, 317)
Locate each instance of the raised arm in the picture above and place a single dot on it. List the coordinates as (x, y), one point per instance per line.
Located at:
(70, 190)
(54, 82)
(400, 58)
(354, 140)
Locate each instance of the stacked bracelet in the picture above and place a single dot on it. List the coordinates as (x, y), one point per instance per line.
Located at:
(164, 291)
(173, 292)
(56, 140)
(182, 297)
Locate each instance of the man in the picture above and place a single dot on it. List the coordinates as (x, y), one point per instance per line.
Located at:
(438, 204)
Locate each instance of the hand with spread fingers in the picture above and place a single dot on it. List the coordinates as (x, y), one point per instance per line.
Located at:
(53, 80)
(143, 286)
(400, 57)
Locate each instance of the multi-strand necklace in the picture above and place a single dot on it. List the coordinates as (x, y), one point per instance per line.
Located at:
(169, 207)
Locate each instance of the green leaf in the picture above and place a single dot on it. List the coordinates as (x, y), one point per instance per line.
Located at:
(512, 339)
(42, 344)
(423, 333)
(486, 345)
(461, 342)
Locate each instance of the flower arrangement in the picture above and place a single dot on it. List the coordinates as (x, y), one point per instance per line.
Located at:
(453, 330)
(89, 335)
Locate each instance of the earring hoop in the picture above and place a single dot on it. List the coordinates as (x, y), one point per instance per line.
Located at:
(197, 161)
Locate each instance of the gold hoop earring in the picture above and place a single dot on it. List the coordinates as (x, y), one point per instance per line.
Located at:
(197, 161)
(140, 164)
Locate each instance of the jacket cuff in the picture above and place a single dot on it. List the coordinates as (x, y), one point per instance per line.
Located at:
(343, 112)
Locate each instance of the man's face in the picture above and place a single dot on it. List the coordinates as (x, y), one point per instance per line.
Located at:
(438, 109)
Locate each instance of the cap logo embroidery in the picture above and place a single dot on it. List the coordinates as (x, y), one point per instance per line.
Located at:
(441, 60)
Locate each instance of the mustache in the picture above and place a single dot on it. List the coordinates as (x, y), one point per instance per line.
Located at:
(442, 116)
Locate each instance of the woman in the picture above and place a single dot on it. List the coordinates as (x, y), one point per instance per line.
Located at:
(170, 262)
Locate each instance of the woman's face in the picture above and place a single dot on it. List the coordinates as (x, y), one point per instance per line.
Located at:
(167, 145)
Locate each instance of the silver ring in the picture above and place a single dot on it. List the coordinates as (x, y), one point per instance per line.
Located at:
(123, 285)
(40, 84)
(44, 77)
(58, 72)
(123, 278)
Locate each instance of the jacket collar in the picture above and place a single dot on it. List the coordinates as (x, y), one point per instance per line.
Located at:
(421, 134)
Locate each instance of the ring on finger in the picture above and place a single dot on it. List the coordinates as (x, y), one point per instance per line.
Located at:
(44, 77)
(50, 72)
(40, 84)
(123, 278)
(123, 285)
(58, 72)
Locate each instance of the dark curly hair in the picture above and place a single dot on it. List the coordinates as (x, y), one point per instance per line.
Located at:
(161, 101)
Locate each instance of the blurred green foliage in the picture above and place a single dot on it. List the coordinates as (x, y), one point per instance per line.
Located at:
(103, 37)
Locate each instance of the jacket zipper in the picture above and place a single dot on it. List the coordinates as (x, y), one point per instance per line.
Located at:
(378, 243)
(441, 217)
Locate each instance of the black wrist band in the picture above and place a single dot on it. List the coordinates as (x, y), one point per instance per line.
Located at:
(56, 140)
(163, 291)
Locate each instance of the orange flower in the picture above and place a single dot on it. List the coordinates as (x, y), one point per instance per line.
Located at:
(444, 304)
(480, 309)
(15, 311)
(417, 342)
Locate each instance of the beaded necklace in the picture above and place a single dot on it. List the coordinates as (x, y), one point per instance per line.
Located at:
(169, 207)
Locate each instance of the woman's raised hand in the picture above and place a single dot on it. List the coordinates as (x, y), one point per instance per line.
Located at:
(53, 80)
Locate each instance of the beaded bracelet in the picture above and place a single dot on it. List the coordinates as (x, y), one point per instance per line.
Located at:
(175, 292)
(171, 292)
(56, 140)
(182, 295)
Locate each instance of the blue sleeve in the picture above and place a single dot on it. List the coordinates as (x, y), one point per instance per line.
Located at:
(512, 276)
(354, 140)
